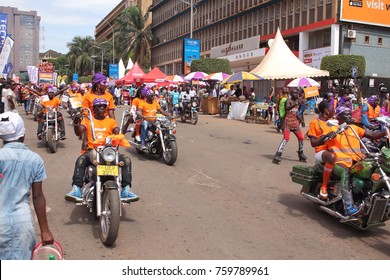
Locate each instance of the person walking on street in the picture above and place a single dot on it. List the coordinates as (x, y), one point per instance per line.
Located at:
(21, 173)
(291, 124)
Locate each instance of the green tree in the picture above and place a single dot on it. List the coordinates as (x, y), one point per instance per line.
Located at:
(340, 66)
(135, 35)
(79, 55)
(211, 65)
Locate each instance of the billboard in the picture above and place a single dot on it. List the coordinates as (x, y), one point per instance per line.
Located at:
(191, 51)
(113, 71)
(3, 29)
(367, 12)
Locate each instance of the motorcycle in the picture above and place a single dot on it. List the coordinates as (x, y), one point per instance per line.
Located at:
(71, 103)
(369, 182)
(160, 141)
(164, 103)
(51, 132)
(189, 111)
(102, 181)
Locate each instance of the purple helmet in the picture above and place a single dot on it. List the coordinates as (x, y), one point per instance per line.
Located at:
(99, 102)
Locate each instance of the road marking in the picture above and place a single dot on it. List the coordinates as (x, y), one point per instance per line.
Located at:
(204, 180)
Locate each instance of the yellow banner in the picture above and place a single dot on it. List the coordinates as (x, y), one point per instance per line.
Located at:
(374, 12)
(311, 92)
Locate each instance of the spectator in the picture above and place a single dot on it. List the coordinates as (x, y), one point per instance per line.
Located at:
(22, 172)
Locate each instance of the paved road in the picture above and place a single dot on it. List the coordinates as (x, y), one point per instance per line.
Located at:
(223, 199)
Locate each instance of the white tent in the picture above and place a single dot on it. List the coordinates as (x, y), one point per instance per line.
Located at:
(281, 63)
(130, 64)
(121, 69)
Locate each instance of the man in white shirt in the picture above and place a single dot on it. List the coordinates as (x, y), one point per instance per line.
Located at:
(117, 95)
(9, 97)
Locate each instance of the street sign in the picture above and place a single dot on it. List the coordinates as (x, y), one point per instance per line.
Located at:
(354, 72)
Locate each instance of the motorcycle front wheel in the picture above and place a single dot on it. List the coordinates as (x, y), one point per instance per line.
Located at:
(194, 118)
(51, 140)
(170, 155)
(109, 220)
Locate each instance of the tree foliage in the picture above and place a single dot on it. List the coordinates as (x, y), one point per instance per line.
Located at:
(135, 35)
(211, 65)
(340, 66)
(79, 54)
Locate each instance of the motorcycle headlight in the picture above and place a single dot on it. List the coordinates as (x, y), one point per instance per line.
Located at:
(194, 104)
(51, 115)
(109, 155)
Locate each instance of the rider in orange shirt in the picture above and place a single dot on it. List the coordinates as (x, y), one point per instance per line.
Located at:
(99, 90)
(318, 134)
(103, 127)
(54, 102)
(148, 110)
(346, 147)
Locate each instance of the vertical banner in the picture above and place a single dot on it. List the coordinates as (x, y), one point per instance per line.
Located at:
(191, 51)
(5, 52)
(3, 29)
(113, 71)
(32, 72)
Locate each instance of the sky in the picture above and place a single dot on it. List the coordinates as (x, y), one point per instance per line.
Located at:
(62, 20)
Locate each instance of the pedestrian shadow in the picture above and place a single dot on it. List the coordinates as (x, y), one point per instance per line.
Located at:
(298, 207)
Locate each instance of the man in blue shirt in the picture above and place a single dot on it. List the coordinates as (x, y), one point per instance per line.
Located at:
(21, 171)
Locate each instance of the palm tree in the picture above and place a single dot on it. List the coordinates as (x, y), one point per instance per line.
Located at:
(135, 35)
(79, 54)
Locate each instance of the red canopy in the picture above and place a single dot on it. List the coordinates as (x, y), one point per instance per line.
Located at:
(135, 75)
(155, 76)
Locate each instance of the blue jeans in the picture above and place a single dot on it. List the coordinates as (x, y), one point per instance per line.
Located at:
(144, 130)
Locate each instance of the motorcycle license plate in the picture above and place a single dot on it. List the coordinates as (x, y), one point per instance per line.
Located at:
(107, 170)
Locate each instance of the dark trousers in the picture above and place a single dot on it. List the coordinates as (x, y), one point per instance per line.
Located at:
(84, 161)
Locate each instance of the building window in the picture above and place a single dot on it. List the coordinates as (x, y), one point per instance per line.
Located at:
(366, 39)
(380, 41)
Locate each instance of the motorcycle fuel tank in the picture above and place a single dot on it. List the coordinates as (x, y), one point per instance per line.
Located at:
(363, 169)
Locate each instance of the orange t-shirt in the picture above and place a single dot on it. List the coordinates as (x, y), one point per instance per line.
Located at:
(346, 146)
(55, 102)
(149, 110)
(102, 128)
(136, 102)
(317, 128)
(89, 97)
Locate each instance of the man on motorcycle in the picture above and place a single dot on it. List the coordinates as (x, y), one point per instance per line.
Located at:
(347, 149)
(54, 102)
(148, 110)
(370, 111)
(319, 133)
(103, 127)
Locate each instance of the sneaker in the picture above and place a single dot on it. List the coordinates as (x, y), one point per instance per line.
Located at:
(324, 193)
(143, 147)
(351, 210)
(62, 137)
(74, 195)
(128, 196)
(40, 136)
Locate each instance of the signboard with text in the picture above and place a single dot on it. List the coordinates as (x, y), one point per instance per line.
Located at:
(191, 51)
(368, 12)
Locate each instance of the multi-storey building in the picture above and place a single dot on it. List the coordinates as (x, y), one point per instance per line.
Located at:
(310, 27)
(23, 28)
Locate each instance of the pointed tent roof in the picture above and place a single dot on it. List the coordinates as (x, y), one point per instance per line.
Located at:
(129, 64)
(135, 75)
(281, 63)
(121, 69)
(154, 75)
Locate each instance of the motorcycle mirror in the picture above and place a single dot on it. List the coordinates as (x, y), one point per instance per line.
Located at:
(331, 123)
(383, 119)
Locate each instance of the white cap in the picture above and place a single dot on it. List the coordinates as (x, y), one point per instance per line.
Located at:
(11, 126)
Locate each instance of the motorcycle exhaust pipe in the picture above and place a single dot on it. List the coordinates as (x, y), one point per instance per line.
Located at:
(320, 201)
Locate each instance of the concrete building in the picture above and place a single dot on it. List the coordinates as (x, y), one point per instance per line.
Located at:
(230, 28)
(23, 28)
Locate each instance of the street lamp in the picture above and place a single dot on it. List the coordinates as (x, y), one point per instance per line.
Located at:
(93, 60)
(113, 39)
(191, 14)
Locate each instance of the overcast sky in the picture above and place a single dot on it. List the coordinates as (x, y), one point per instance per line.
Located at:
(62, 20)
